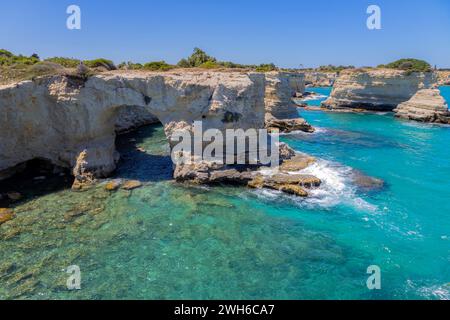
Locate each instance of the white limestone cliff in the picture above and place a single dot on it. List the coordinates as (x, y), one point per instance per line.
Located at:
(281, 111)
(376, 89)
(426, 105)
(57, 118)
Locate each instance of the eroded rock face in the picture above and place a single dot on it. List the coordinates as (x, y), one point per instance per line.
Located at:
(320, 79)
(281, 111)
(443, 78)
(376, 90)
(83, 173)
(426, 105)
(132, 117)
(56, 118)
(71, 121)
(281, 87)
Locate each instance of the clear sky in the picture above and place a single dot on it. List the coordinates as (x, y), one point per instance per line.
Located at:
(288, 33)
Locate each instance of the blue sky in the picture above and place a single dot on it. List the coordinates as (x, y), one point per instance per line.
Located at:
(288, 33)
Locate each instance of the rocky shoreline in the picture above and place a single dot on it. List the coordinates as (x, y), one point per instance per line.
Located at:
(71, 122)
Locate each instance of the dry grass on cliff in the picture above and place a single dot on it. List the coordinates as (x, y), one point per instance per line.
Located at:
(21, 72)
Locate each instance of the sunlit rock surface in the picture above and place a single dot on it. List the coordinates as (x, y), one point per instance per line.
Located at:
(425, 106)
(377, 89)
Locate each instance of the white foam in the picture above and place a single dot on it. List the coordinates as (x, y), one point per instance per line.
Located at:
(441, 292)
(336, 188)
(297, 132)
(314, 97)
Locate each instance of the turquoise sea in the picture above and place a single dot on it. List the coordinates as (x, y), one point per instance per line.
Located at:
(170, 241)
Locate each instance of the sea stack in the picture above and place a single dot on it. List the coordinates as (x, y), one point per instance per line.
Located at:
(426, 105)
(376, 89)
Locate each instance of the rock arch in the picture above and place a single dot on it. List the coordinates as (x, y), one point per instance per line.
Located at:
(58, 117)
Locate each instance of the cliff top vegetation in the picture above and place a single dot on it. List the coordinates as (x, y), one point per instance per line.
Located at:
(409, 64)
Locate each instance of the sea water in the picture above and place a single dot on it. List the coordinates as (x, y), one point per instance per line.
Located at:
(172, 241)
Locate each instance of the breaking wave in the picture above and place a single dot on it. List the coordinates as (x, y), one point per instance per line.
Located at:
(337, 188)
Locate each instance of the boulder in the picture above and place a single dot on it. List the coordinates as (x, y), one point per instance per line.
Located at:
(297, 163)
(288, 125)
(426, 105)
(287, 183)
(131, 185)
(113, 185)
(6, 215)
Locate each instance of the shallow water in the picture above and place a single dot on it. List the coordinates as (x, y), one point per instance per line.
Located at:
(170, 241)
(445, 92)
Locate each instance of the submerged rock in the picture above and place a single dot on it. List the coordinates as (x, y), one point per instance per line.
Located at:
(14, 196)
(131, 184)
(426, 105)
(365, 182)
(113, 185)
(75, 213)
(6, 215)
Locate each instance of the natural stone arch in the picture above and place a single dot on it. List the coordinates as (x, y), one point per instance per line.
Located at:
(58, 117)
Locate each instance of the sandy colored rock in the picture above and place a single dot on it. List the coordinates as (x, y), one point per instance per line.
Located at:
(443, 78)
(376, 89)
(293, 189)
(291, 184)
(304, 180)
(84, 176)
(6, 215)
(426, 105)
(288, 125)
(297, 163)
(113, 185)
(131, 185)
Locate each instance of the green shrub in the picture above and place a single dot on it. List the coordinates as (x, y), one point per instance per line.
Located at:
(183, 63)
(157, 66)
(209, 65)
(410, 65)
(232, 65)
(332, 68)
(130, 66)
(45, 67)
(5, 53)
(266, 67)
(197, 58)
(9, 59)
(65, 62)
(101, 62)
